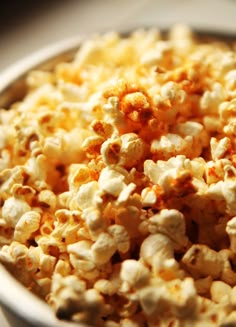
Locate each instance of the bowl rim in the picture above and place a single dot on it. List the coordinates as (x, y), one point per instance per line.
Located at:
(13, 295)
(17, 71)
(16, 299)
(66, 48)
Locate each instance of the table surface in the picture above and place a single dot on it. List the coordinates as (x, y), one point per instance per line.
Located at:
(26, 28)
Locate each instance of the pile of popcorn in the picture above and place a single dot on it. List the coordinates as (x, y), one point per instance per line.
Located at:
(118, 182)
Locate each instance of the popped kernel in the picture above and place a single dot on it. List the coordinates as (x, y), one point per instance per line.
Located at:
(118, 182)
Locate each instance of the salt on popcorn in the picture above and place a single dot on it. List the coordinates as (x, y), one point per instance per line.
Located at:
(118, 182)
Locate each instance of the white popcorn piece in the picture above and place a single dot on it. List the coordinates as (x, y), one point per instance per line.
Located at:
(73, 93)
(81, 259)
(90, 53)
(228, 275)
(125, 193)
(156, 244)
(28, 223)
(67, 299)
(156, 55)
(84, 268)
(120, 236)
(134, 273)
(224, 190)
(47, 199)
(105, 286)
(126, 151)
(181, 32)
(103, 249)
(194, 134)
(111, 181)
(149, 197)
(219, 149)
(168, 146)
(112, 113)
(37, 169)
(178, 296)
(13, 209)
(227, 116)
(230, 79)
(170, 223)
(171, 91)
(47, 263)
(174, 176)
(94, 221)
(88, 196)
(13, 253)
(220, 292)
(231, 231)
(81, 249)
(211, 100)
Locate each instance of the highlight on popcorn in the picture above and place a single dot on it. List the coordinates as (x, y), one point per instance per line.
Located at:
(118, 182)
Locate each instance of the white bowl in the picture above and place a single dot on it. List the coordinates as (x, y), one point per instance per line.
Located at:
(22, 308)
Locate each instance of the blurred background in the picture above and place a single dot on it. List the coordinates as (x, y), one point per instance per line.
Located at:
(29, 25)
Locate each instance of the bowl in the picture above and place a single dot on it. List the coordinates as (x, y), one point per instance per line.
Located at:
(21, 307)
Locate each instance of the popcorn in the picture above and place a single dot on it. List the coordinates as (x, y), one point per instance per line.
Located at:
(26, 225)
(120, 236)
(227, 259)
(156, 55)
(89, 195)
(220, 292)
(231, 231)
(13, 209)
(170, 223)
(94, 221)
(126, 151)
(103, 249)
(134, 273)
(221, 148)
(202, 261)
(211, 100)
(230, 78)
(47, 199)
(156, 244)
(118, 182)
(169, 146)
(105, 286)
(174, 299)
(111, 181)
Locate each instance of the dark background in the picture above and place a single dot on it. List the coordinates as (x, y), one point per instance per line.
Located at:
(12, 12)
(29, 25)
